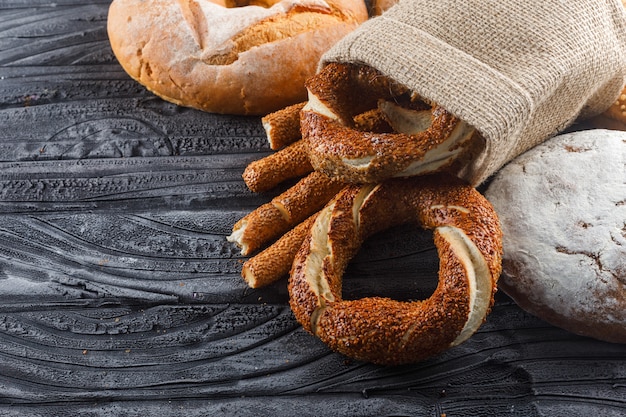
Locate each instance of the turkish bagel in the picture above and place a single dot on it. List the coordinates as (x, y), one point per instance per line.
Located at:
(382, 330)
(424, 138)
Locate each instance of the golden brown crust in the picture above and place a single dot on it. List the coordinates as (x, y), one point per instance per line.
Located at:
(351, 89)
(285, 211)
(422, 141)
(266, 173)
(165, 45)
(275, 261)
(306, 197)
(381, 330)
(332, 146)
(282, 127)
(372, 121)
(260, 226)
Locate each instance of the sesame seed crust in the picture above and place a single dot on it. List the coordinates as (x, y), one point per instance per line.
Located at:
(340, 95)
(282, 127)
(266, 173)
(382, 330)
(271, 220)
(275, 261)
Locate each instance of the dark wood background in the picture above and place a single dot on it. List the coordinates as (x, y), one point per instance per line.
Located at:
(119, 294)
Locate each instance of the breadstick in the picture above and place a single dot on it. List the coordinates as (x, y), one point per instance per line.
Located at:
(309, 195)
(266, 173)
(275, 261)
(283, 126)
(254, 230)
(285, 211)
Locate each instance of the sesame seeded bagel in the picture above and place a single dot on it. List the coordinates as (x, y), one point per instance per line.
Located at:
(382, 330)
(424, 138)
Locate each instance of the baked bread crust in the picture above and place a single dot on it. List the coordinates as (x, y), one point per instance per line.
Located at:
(467, 235)
(236, 60)
(424, 139)
(562, 206)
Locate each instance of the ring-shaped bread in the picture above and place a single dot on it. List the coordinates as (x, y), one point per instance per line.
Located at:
(422, 140)
(381, 330)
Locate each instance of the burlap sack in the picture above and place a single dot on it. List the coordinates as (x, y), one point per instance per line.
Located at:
(518, 71)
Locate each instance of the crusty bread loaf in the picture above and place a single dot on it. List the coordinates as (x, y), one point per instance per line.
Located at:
(239, 60)
(562, 206)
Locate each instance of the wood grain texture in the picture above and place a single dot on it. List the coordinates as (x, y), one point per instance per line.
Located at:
(119, 294)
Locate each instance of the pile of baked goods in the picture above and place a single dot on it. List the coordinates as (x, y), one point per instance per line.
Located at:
(388, 164)
(369, 153)
(559, 232)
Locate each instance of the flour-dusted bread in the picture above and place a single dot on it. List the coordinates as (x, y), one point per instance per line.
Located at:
(562, 206)
(228, 56)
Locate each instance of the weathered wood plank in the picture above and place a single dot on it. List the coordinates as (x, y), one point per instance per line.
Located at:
(119, 294)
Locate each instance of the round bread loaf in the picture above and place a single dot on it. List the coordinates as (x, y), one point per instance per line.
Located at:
(562, 206)
(236, 57)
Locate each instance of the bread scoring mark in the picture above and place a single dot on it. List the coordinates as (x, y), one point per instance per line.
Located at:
(617, 241)
(443, 154)
(404, 120)
(320, 249)
(196, 20)
(321, 252)
(243, 3)
(314, 104)
(617, 276)
(296, 21)
(144, 66)
(367, 190)
(359, 163)
(478, 277)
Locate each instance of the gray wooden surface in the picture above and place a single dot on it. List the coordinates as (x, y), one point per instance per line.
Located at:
(119, 294)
